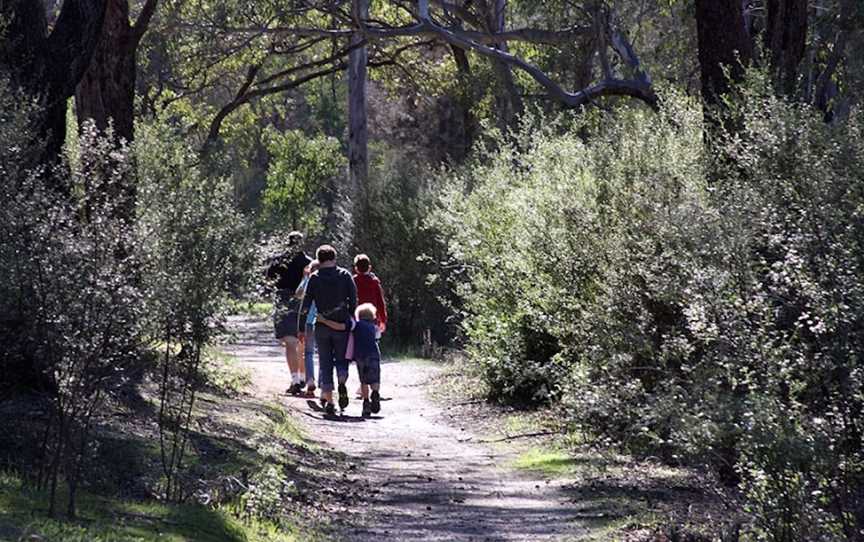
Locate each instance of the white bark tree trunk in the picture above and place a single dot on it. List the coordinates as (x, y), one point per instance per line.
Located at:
(358, 164)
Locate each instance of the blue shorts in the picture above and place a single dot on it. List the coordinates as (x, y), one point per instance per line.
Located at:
(369, 370)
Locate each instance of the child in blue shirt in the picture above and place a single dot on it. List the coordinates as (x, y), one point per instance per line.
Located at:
(366, 354)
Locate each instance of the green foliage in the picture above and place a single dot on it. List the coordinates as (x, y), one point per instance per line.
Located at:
(702, 307)
(391, 230)
(196, 246)
(92, 280)
(72, 307)
(196, 250)
(301, 168)
(112, 520)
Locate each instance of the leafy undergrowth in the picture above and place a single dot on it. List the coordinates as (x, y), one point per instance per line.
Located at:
(103, 519)
(250, 474)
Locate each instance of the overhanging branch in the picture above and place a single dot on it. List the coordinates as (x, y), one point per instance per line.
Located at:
(639, 88)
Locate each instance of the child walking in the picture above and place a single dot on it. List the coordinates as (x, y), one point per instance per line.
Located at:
(369, 290)
(366, 354)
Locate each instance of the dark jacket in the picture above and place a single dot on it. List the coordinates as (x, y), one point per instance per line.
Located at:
(286, 271)
(333, 292)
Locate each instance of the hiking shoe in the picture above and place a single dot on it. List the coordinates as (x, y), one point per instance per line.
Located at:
(376, 402)
(323, 401)
(295, 388)
(329, 409)
(367, 408)
(343, 396)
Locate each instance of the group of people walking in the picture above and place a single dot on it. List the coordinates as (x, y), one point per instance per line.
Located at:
(322, 306)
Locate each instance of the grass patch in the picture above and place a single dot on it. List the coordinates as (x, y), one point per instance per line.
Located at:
(222, 374)
(252, 308)
(562, 462)
(553, 463)
(103, 519)
(286, 428)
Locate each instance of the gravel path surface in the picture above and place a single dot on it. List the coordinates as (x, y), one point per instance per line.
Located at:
(434, 480)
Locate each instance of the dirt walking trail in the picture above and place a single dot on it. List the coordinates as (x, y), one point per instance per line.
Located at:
(435, 481)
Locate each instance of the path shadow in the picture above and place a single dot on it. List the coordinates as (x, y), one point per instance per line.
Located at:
(341, 418)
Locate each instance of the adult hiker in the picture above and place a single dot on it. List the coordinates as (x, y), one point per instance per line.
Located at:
(332, 290)
(285, 271)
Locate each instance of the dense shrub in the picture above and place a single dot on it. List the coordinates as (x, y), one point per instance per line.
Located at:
(90, 283)
(196, 250)
(391, 228)
(68, 290)
(702, 306)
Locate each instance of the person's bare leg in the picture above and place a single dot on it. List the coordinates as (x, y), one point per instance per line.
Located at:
(292, 358)
(364, 391)
(284, 342)
(299, 361)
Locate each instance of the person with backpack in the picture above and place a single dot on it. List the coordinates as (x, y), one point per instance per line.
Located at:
(334, 294)
(285, 272)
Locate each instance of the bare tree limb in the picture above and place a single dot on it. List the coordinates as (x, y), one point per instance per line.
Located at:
(530, 35)
(143, 21)
(639, 89)
(521, 435)
(245, 95)
(622, 46)
(239, 99)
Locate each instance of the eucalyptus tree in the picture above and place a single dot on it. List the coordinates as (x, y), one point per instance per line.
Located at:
(107, 90)
(270, 48)
(804, 45)
(47, 63)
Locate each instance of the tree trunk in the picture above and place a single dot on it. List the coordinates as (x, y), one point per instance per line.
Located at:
(107, 90)
(358, 135)
(786, 38)
(46, 66)
(723, 44)
(464, 103)
(106, 93)
(509, 103)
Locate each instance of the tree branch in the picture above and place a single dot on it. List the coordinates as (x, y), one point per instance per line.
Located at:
(530, 35)
(239, 99)
(144, 18)
(324, 61)
(639, 89)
